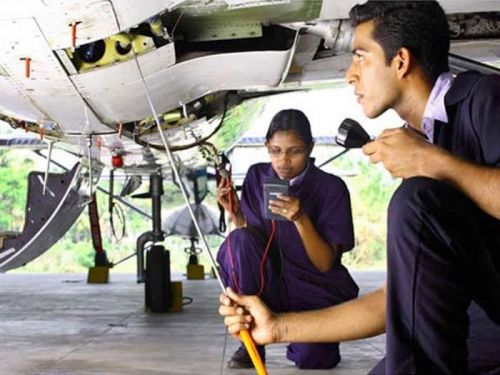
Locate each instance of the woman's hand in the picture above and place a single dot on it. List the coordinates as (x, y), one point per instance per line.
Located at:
(286, 206)
(248, 312)
(227, 198)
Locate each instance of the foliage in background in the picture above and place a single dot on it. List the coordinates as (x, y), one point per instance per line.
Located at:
(13, 190)
(370, 193)
(237, 121)
(74, 251)
(371, 189)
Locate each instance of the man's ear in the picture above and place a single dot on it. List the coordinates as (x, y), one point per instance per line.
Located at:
(402, 62)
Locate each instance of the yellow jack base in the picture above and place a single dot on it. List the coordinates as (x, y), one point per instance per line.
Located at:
(195, 272)
(98, 275)
(176, 294)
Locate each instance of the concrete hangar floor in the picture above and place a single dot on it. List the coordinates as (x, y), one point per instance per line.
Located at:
(55, 324)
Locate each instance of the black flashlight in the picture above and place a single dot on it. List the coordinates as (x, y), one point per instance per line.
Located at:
(351, 134)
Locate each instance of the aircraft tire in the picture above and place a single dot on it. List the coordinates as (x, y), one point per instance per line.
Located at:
(157, 285)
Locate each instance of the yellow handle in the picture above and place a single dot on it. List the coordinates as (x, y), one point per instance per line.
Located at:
(252, 351)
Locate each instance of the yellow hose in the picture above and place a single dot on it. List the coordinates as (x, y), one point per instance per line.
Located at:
(252, 351)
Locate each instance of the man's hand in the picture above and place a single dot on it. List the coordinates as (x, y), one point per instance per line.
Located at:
(248, 312)
(286, 206)
(403, 152)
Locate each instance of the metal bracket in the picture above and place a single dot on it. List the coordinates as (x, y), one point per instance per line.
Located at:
(47, 167)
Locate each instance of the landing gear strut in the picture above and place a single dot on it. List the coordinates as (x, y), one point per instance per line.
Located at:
(195, 271)
(99, 274)
(156, 276)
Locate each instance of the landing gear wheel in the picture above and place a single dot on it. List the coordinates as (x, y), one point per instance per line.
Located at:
(157, 285)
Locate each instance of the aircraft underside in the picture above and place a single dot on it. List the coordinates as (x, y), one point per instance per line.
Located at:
(120, 83)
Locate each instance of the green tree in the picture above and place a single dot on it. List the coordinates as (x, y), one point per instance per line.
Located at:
(371, 189)
(14, 169)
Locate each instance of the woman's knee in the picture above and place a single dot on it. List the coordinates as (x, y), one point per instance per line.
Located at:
(314, 356)
(246, 237)
(241, 242)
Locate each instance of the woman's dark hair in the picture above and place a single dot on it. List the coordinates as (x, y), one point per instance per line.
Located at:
(291, 120)
(421, 26)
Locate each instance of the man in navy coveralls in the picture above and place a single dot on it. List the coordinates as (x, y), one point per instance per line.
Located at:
(443, 242)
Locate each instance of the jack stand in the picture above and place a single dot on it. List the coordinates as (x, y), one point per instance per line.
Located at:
(176, 295)
(99, 274)
(194, 271)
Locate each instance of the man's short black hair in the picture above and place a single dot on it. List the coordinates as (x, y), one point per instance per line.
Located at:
(420, 26)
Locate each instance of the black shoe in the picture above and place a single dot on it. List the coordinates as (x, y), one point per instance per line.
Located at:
(241, 358)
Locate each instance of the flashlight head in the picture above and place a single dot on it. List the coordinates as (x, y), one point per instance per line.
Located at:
(351, 134)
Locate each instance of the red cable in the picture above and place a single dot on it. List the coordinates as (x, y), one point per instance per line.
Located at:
(228, 182)
(263, 260)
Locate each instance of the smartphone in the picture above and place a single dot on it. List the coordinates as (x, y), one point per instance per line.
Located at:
(273, 188)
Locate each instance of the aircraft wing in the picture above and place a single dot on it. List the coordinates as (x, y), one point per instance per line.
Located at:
(74, 70)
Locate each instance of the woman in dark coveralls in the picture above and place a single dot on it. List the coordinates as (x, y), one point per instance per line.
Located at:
(303, 270)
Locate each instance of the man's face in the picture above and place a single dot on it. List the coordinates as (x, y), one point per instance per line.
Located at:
(375, 84)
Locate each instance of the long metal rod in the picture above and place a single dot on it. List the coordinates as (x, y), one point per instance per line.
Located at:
(334, 157)
(91, 177)
(177, 176)
(124, 259)
(129, 205)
